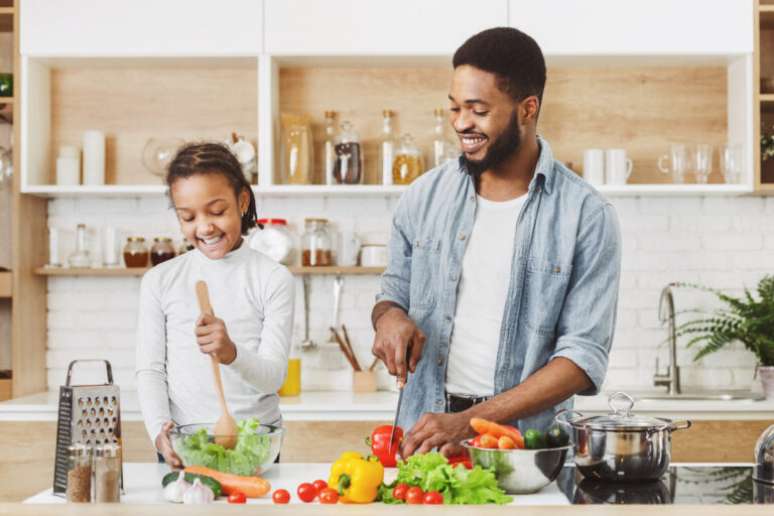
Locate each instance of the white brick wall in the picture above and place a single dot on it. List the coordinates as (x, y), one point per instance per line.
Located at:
(720, 242)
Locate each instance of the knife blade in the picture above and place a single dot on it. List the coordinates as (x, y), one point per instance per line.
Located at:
(397, 413)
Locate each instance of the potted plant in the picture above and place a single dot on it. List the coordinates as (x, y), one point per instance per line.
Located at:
(748, 319)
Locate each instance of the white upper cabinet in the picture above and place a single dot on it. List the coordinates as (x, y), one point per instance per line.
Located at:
(363, 27)
(141, 27)
(636, 27)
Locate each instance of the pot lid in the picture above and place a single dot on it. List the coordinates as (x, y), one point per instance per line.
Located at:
(621, 418)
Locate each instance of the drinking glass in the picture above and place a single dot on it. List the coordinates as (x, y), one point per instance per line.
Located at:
(703, 161)
(731, 163)
(678, 162)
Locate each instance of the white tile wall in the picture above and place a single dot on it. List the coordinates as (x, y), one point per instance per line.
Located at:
(721, 242)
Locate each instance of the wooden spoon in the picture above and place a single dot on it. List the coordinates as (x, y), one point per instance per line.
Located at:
(225, 429)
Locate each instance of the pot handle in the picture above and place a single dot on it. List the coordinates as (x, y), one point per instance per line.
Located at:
(679, 425)
(562, 416)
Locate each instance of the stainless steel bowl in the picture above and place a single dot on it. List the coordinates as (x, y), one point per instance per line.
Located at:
(521, 471)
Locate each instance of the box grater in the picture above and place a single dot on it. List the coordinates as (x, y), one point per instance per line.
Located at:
(88, 414)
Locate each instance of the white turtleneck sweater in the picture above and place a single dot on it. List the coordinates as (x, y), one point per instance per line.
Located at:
(254, 296)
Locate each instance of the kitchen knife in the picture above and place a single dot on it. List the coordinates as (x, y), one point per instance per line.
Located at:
(397, 413)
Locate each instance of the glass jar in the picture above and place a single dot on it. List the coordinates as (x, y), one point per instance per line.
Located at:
(80, 258)
(444, 149)
(79, 473)
(329, 155)
(297, 161)
(161, 250)
(409, 163)
(136, 252)
(348, 167)
(386, 148)
(274, 240)
(107, 473)
(184, 247)
(316, 244)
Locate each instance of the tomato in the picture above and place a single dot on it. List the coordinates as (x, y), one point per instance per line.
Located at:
(328, 495)
(488, 441)
(281, 496)
(432, 498)
(415, 495)
(462, 459)
(237, 497)
(320, 485)
(306, 492)
(476, 441)
(506, 443)
(399, 492)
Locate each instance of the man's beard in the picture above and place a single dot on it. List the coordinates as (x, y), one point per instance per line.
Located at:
(502, 149)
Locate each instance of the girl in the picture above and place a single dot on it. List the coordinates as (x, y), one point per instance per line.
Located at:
(251, 295)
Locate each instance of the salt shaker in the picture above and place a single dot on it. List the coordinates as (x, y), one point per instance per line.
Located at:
(107, 473)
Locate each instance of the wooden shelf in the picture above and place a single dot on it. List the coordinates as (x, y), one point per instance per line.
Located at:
(767, 97)
(5, 284)
(127, 272)
(260, 191)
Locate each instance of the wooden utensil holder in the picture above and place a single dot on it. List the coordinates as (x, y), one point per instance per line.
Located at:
(363, 381)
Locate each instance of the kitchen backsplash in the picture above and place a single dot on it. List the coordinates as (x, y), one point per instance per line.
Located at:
(722, 242)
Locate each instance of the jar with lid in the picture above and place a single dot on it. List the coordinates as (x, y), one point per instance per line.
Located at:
(136, 252)
(184, 247)
(316, 244)
(297, 154)
(161, 250)
(79, 473)
(107, 473)
(80, 258)
(348, 166)
(274, 240)
(409, 163)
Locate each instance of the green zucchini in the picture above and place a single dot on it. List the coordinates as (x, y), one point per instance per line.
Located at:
(210, 482)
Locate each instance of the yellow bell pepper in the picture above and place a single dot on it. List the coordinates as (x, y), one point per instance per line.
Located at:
(357, 479)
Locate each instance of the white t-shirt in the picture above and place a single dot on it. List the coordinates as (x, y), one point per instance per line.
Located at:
(483, 288)
(254, 296)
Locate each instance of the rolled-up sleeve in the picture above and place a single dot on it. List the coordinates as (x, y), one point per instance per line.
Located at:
(396, 279)
(587, 322)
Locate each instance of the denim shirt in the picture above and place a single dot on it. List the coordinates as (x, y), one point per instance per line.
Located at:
(563, 285)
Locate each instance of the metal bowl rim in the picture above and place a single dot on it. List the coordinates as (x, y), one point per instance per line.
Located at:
(274, 430)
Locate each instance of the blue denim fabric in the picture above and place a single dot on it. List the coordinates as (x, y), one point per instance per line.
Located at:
(563, 286)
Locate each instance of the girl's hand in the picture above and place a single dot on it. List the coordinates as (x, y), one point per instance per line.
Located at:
(164, 446)
(213, 339)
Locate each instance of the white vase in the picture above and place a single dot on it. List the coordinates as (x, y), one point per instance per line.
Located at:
(766, 374)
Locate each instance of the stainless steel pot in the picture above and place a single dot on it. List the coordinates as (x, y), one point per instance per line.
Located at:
(621, 447)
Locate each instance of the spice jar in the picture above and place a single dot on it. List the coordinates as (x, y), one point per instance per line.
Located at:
(316, 244)
(79, 474)
(184, 247)
(409, 163)
(348, 166)
(136, 252)
(274, 240)
(107, 473)
(162, 250)
(296, 149)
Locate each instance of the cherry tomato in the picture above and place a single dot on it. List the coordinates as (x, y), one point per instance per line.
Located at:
(399, 492)
(237, 497)
(281, 496)
(432, 498)
(306, 492)
(328, 495)
(415, 495)
(320, 485)
(488, 441)
(506, 443)
(476, 441)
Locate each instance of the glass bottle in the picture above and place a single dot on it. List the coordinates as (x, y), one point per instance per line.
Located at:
(316, 244)
(409, 163)
(162, 250)
(329, 155)
(296, 150)
(79, 473)
(444, 149)
(292, 384)
(274, 240)
(348, 167)
(107, 473)
(386, 148)
(136, 252)
(80, 258)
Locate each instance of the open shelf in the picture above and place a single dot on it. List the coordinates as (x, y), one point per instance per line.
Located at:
(6, 284)
(260, 191)
(139, 271)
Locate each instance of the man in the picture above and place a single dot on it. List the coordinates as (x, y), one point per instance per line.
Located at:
(501, 289)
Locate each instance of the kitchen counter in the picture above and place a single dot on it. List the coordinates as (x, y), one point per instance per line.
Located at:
(380, 406)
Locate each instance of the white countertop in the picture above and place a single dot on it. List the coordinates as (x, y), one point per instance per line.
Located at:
(380, 406)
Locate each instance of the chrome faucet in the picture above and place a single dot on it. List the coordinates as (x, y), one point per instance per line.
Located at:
(666, 314)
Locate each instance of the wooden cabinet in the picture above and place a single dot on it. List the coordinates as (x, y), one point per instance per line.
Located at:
(655, 27)
(362, 27)
(141, 27)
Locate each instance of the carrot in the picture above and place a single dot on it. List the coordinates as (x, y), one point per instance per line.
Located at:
(482, 426)
(252, 487)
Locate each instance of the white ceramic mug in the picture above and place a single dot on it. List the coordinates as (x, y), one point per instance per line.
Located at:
(373, 255)
(618, 167)
(594, 166)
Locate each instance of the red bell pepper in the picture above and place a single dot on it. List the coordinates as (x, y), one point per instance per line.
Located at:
(381, 446)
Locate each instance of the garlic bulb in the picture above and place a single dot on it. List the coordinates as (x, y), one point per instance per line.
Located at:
(174, 491)
(198, 493)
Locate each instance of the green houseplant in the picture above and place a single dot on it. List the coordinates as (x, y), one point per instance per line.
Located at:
(748, 319)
